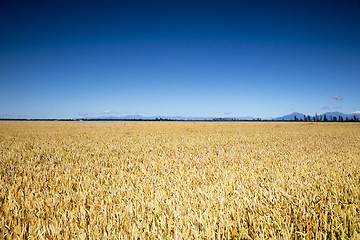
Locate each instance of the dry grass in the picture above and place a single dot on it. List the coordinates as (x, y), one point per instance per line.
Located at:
(179, 180)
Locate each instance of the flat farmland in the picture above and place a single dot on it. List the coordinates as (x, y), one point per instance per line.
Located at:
(179, 180)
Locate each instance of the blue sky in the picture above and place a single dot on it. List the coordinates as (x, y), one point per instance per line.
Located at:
(70, 59)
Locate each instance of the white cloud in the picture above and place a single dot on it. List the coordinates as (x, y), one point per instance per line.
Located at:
(337, 97)
(331, 107)
(108, 112)
(356, 112)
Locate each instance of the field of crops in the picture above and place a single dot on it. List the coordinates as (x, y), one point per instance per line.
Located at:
(179, 180)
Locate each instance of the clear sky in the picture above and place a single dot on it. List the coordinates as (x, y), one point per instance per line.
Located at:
(70, 59)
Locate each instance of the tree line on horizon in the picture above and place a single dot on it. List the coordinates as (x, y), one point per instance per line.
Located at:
(323, 118)
(305, 118)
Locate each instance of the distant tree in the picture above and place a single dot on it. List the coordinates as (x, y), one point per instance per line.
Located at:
(341, 119)
(325, 119)
(347, 119)
(321, 118)
(308, 118)
(305, 118)
(334, 119)
(316, 117)
(295, 118)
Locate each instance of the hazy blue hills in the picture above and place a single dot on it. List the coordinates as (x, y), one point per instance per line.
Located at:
(289, 117)
(139, 117)
(330, 116)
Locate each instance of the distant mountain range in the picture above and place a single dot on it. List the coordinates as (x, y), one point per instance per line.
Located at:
(289, 117)
(139, 117)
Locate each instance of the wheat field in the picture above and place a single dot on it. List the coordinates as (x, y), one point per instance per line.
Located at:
(179, 180)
